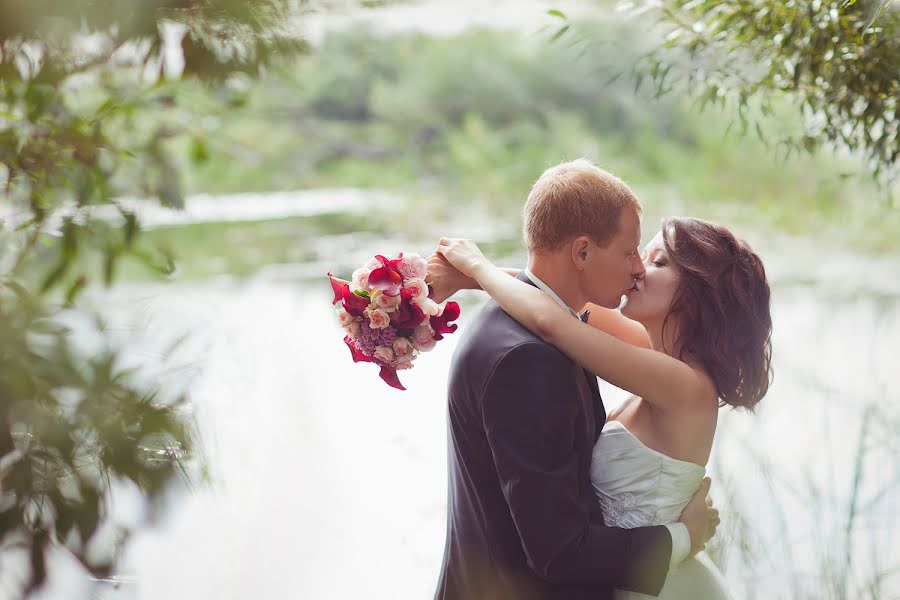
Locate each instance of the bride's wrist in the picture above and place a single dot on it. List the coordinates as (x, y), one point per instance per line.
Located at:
(478, 269)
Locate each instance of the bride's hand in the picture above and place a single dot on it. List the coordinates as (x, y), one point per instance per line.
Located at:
(462, 254)
(445, 279)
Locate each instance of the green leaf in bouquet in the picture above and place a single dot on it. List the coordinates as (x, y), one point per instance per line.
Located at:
(362, 293)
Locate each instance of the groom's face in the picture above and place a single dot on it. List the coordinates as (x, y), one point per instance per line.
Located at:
(610, 272)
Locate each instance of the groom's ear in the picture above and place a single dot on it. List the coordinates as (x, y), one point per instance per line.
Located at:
(580, 247)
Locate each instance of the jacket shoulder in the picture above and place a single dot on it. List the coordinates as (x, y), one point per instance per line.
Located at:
(492, 336)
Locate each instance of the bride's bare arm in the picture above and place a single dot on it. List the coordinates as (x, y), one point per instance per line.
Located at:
(445, 279)
(618, 325)
(658, 378)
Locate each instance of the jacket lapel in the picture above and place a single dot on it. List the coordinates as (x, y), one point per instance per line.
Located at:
(599, 411)
(595, 409)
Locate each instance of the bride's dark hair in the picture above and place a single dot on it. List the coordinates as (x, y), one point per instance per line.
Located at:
(722, 307)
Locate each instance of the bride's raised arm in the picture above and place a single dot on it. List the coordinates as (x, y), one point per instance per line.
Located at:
(658, 378)
(446, 280)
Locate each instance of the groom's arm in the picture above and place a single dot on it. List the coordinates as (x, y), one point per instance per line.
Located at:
(530, 408)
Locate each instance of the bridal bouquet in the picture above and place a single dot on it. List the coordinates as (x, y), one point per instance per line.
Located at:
(388, 316)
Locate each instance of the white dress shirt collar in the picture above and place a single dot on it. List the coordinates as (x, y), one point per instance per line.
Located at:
(546, 289)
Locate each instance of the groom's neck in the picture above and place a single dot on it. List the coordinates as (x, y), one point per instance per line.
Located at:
(556, 272)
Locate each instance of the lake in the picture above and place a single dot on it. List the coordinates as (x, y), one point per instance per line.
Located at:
(323, 482)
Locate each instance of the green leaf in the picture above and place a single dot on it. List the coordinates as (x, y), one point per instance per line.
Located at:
(69, 239)
(109, 266)
(362, 293)
(75, 290)
(561, 32)
(557, 13)
(199, 151)
(131, 226)
(53, 276)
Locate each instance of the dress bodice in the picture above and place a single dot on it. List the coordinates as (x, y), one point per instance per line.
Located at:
(636, 485)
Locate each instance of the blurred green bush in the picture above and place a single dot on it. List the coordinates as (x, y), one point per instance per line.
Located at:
(475, 118)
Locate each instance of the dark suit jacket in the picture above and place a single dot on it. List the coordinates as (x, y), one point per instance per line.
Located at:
(523, 522)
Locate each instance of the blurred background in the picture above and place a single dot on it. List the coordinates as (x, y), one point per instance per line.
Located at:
(180, 416)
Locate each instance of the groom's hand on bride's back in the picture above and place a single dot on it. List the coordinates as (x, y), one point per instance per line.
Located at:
(445, 280)
(700, 518)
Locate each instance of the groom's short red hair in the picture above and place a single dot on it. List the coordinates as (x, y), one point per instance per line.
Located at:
(575, 198)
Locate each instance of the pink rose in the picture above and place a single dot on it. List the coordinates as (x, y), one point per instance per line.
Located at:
(384, 354)
(417, 288)
(378, 319)
(352, 329)
(373, 264)
(360, 279)
(413, 266)
(402, 345)
(423, 337)
(422, 332)
(344, 318)
(403, 362)
(426, 346)
(387, 303)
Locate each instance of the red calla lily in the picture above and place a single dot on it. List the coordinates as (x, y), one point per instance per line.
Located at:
(389, 374)
(440, 323)
(338, 288)
(387, 280)
(355, 352)
(391, 263)
(408, 316)
(353, 304)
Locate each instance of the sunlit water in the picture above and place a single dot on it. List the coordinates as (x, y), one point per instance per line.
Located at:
(326, 483)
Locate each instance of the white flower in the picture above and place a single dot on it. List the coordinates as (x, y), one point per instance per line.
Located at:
(429, 306)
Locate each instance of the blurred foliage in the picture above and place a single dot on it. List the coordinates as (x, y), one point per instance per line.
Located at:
(470, 120)
(71, 425)
(92, 95)
(838, 61)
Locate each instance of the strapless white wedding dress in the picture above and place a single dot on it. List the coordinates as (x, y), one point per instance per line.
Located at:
(638, 487)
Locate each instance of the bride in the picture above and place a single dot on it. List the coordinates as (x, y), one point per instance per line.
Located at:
(703, 301)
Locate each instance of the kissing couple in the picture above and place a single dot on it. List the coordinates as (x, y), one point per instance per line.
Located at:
(551, 497)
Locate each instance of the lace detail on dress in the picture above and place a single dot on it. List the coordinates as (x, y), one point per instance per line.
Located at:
(637, 486)
(616, 510)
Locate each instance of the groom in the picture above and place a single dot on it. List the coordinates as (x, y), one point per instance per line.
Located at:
(523, 522)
